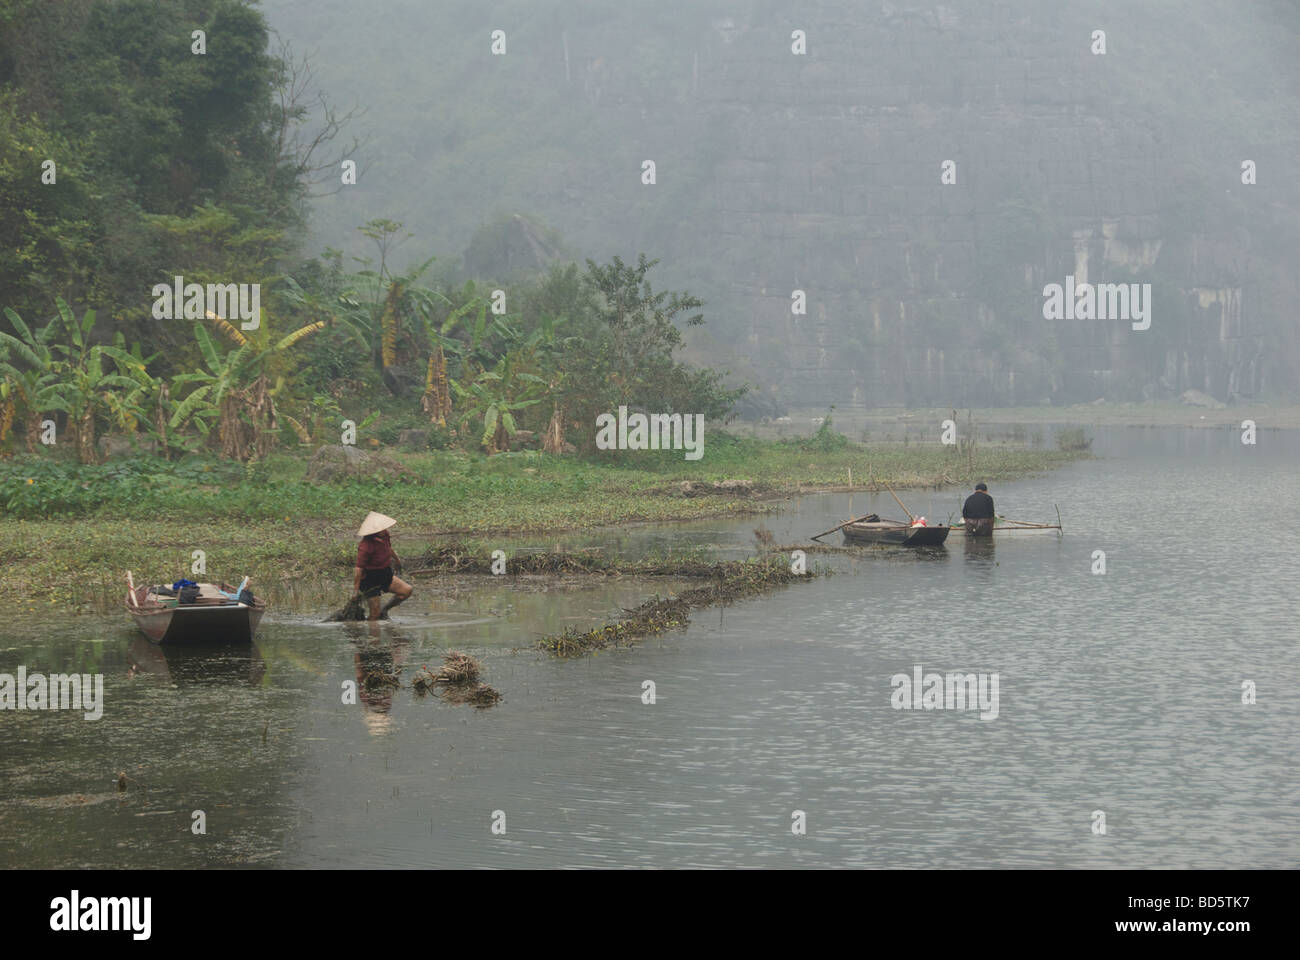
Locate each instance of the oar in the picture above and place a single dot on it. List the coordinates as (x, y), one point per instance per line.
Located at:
(1024, 523)
(900, 503)
(842, 526)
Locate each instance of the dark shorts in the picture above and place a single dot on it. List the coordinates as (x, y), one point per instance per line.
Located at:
(375, 582)
(982, 527)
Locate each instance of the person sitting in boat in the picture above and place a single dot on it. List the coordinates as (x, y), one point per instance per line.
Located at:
(978, 512)
(375, 559)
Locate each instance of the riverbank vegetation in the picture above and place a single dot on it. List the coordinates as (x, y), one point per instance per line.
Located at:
(69, 531)
(171, 308)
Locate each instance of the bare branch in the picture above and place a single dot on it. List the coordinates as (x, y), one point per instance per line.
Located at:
(301, 108)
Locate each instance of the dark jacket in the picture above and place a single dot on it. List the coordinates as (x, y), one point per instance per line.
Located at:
(978, 506)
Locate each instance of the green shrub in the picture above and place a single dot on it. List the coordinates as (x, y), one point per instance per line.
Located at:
(825, 440)
(1073, 440)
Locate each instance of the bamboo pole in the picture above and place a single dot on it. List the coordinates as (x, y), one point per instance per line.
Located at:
(900, 502)
(841, 526)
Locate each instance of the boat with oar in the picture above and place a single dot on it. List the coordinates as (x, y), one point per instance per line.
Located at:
(872, 529)
(196, 613)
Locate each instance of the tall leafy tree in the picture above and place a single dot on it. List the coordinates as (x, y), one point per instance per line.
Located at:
(622, 345)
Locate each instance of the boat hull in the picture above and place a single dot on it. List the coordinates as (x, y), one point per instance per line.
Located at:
(211, 620)
(895, 533)
(199, 625)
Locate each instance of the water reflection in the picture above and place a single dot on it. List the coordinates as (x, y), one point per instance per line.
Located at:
(191, 664)
(894, 554)
(379, 652)
(979, 552)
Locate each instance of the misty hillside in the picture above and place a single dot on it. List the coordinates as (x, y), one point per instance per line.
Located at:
(821, 172)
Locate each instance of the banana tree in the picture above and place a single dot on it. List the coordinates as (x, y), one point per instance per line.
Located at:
(29, 379)
(7, 409)
(236, 389)
(27, 394)
(538, 358)
(321, 417)
(90, 388)
(436, 401)
(548, 351)
(494, 396)
(377, 311)
(208, 400)
(131, 410)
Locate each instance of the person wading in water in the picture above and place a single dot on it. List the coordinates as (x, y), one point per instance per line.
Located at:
(375, 560)
(978, 512)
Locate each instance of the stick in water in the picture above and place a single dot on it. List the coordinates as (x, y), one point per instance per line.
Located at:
(900, 503)
(842, 525)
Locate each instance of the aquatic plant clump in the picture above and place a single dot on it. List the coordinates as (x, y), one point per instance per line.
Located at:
(459, 668)
(461, 559)
(735, 580)
(355, 609)
(457, 681)
(475, 694)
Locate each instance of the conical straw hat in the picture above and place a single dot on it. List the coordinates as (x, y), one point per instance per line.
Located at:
(373, 523)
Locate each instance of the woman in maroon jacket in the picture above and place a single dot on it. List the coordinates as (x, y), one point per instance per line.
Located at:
(375, 560)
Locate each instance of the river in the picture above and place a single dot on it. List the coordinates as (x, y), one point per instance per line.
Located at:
(1118, 693)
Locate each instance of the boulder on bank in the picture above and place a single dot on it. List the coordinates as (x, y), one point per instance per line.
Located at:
(524, 440)
(413, 439)
(343, 462)
(130, 446)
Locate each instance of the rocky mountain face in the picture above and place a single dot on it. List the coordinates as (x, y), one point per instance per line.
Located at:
(925, 292)
(921, 173)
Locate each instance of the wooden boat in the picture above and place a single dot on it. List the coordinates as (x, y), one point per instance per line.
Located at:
(896, 532)
(211, 618)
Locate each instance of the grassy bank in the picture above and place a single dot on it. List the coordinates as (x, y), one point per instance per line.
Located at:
(69, 532)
